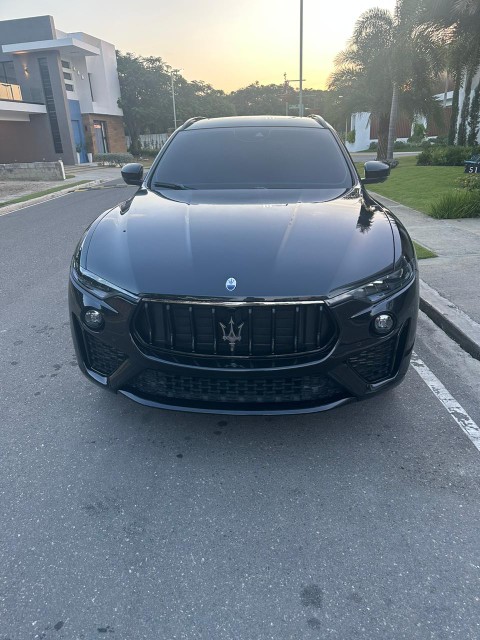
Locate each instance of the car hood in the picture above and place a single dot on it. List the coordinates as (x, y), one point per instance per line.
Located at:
(275, 244)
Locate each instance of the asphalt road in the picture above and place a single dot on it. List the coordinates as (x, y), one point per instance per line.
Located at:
(131, 523)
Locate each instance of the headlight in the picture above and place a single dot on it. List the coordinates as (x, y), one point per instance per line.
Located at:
(382, 287)
(100, 287)
(90, 280)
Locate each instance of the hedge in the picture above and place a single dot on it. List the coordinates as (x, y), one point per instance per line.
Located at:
(113, 158)
(457, 204)
(445, 156)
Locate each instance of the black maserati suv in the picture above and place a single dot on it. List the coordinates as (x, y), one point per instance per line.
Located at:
(251, 272)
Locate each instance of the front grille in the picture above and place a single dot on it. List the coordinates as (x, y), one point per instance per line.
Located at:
(102, 358)
(376, 363)
(263, 330)
(157, 385)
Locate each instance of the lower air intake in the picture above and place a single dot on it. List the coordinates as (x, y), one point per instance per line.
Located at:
(158, 386)
(376, 363)
(102, 358)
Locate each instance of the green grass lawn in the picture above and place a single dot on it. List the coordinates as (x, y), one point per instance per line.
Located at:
(414, 186)
(422, 252)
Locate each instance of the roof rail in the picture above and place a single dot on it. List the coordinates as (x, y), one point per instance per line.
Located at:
(320, 120)
(191, 121)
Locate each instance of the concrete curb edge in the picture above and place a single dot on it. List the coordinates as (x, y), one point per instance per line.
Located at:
(50, 196)
(452, 320)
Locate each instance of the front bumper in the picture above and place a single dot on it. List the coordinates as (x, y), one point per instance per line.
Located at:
(358, 365)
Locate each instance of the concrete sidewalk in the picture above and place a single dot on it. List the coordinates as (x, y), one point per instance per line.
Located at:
(13, 189)
(449, 293)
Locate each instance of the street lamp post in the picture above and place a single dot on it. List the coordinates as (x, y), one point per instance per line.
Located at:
(300, 100)
(173, 96)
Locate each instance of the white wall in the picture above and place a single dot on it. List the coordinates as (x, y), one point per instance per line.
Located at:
(475, 83)
(104, 78)
(361, 123)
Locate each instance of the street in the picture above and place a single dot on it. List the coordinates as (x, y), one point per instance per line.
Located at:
(127, 522)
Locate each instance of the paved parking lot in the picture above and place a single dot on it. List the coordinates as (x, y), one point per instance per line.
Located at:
(134, 523)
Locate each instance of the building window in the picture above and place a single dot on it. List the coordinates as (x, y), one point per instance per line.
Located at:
(7, 73)
(69, 87)
(67, 76)
(91, 88)
(50, 104)
(65, 64)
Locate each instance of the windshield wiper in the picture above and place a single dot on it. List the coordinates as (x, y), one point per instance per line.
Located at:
(171, 185)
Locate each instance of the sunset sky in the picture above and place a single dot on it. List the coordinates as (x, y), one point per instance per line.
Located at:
(228, 44)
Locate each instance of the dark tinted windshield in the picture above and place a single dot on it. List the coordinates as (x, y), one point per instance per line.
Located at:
(254, 157)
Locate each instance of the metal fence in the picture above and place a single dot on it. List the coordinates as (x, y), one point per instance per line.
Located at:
(150, 140)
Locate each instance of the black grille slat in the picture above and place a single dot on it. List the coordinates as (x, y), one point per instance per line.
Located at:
(250, 330)
(214, 325)
(295, 332)
(319, 325)
(160, 386)
(170, 325)
(376, 363)
(149, 323)
(273, 329)
(192, 328)
(256, 330)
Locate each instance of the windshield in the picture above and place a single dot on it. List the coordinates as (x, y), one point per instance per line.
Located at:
(253, 158)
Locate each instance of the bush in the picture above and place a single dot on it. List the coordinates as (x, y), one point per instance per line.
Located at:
(418, 133)
(457, 204)
(445, 156)
(469, 182)
(147, 152)
(351, 136)
(373, 146)
(112, 158)
(425, 158)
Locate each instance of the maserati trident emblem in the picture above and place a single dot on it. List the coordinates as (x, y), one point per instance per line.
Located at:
(231, 337)
(230, 284)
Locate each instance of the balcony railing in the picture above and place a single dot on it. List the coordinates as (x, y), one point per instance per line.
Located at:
(10, 92)
(14, 93)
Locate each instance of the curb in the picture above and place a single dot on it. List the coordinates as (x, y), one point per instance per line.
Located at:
(452, 320)
(50, 196)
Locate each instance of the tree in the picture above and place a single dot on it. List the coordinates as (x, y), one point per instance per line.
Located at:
(146, 97)
(388, 67)
(258, 99)
(459, 21)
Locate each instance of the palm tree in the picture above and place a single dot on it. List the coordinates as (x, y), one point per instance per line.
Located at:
(388, 67)
(460, 23)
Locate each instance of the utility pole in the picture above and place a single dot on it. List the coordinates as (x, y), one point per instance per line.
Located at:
(172, 72)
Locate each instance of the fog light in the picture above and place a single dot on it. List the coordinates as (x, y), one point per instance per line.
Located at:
(383, 323)
(93, 319)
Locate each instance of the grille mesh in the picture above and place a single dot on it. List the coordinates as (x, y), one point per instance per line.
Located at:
(376, 363)
(102, 358)
(237, 391)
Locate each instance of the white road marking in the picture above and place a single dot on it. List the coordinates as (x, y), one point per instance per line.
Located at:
(458, 413)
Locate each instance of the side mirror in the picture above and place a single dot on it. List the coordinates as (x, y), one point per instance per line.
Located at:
(132, 173)
(375, 172)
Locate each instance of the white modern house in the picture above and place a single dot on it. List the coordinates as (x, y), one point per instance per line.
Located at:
(366, 128)
(58, 93)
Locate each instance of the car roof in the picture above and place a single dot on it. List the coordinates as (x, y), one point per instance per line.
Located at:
(255, 121)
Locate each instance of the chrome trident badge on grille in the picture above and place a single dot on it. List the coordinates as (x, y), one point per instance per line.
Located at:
(232, 337)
